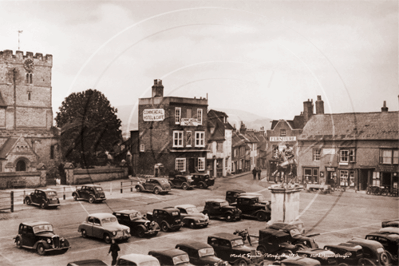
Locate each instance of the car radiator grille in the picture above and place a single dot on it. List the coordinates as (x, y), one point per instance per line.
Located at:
(56, 241)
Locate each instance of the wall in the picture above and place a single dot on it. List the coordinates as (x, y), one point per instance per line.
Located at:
(76, 176)
(24, 179)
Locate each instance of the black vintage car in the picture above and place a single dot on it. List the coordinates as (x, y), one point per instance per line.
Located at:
(295, 261)
(192, 217)
(168, 218)
(390, 223)
(43, 197)
(252, 208)
(203, 180)
(91, 193)
(156, 185)
(221, 209)
(171, 257)
(40, 237)
(231, 195)
(89, 262)
(181, 181)
(201, 254)
(389, 238)
(346, 253)
(279, 242)
(231, 248)
(325, 257)
(139, 225)
(373, 252)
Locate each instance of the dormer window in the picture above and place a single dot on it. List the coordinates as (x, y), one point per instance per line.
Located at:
(283, 133)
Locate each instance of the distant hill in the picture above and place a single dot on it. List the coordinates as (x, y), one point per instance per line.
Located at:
(251, 121)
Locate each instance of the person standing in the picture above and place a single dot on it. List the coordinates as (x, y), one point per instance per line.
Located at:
(254, 171)
(114, 249)
(259, 173)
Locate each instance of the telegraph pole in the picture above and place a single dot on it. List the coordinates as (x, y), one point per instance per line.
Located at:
(19, 32)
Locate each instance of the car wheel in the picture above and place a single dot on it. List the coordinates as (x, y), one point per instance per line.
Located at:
(343, 264)
(384, 258)
(84, 233)
(140, 232)
(138, 189)
(241, 263)
(191, 224)
(28, 202)
(229, 217)
(164, 226)
(43, 205)
(261, 216)
(156, 191)
(366, 262)
(18, 242)
(184, 186)
(261, 249)
(92, 200)
(107, 239)
(75, 196)
(40, 249)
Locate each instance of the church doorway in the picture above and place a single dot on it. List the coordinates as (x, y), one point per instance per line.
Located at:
(21, 165)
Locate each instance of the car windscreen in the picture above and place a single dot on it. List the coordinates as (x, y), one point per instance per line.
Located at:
(42, 228)
(175, 213)
(237, 243)
(192, 210)
(51, 193)
(99, 188)
(108, 220)
(206, 252)
(135, 215)
(224, 203)
(180, 259)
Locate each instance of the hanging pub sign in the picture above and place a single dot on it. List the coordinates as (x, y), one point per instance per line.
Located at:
(280, 139)
(189, 122)
(330, 169)
(154, 114)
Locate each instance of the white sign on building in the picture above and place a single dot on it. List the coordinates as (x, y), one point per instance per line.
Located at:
(189, 122)
(279, 139)
(154, 114)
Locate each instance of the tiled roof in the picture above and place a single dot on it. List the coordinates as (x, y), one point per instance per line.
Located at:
(217, 113)
(378, 125)
(7, 146)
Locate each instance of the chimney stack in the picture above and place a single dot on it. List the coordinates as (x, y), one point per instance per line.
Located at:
(307, 110)
(157, 88)
(319, 106)
(384, 108)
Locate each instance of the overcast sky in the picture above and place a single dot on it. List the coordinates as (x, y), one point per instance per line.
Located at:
(265, 57)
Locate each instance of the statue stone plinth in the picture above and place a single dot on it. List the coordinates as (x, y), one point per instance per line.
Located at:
(285, 203)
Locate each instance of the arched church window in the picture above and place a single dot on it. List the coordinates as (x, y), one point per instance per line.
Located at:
(21, 165)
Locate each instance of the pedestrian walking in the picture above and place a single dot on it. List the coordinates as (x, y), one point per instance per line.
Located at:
(259, 173)
(114, 249)
(254, 171)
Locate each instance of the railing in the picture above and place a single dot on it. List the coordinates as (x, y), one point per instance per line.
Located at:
(382, 191)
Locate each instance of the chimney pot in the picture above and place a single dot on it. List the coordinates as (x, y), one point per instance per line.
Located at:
(384, 108)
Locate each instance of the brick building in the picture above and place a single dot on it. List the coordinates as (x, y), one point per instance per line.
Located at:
(245, 150)
(219, 144)
(172, 131)
(350, 149)
(27, 135)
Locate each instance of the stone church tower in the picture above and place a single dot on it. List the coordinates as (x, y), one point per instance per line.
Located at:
(27, 136)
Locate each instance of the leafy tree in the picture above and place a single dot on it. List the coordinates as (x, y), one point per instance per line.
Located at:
(89, 127)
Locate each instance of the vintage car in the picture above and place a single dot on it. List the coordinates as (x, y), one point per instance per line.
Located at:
(157, 185)
(231, 248)
(221, 209)
(250, 207)
(325, 257)
(138, 224)
(171, 257)
(137, 260)
(373, 252)
(202, 180)
(40, 237)
(296, 225)
(104, 226)
(390, 223)
(191, 216)
(91, 193)
(279, 242)
(181, 181)
(43, 197)
(231, 195)
(201, 254)
(168, 218)
(389, 238)
(89, 262)
(346, 253)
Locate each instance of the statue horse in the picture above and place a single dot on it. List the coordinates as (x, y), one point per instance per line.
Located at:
(287, 165)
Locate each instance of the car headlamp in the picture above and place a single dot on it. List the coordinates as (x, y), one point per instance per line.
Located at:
(128, 230)
(114, 233)
(49, 240)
